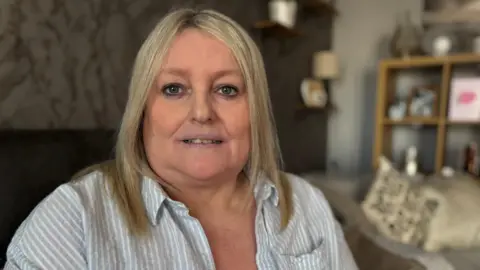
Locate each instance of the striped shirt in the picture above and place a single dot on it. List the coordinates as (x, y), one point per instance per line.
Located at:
(79, 227)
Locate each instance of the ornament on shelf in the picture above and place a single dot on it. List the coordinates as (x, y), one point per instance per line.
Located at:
(411, 164)
(406, 40)
(470, 159)
(325, 67)
(441, 40)
(423, 101)
(313, 94)
(447, 172)
(442, 46)
(283, 12)
(398, 110)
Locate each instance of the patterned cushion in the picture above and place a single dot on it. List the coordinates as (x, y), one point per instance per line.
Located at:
(397, 207)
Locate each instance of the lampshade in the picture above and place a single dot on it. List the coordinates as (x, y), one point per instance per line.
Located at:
(325, 65)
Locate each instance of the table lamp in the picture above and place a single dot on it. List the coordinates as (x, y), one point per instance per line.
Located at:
(325, 65)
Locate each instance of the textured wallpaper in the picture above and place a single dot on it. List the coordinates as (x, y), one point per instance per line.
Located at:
(66, 63)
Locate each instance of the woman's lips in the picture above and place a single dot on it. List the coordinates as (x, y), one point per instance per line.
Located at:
(197, 141)
(202, 138)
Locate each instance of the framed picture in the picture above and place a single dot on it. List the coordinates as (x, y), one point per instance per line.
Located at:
(464, 101)
(422, 101)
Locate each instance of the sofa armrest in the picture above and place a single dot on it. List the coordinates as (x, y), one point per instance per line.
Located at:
(345, 208)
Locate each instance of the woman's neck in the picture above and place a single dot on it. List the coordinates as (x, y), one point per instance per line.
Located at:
(228, 195)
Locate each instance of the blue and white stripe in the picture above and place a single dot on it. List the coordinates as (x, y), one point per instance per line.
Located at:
(79, 227)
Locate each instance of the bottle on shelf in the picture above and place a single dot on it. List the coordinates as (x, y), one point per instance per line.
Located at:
(470, 159)
(411, 165)
(412, 170)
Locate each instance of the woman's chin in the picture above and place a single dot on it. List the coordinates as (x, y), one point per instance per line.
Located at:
(204, 175)
(204, 171)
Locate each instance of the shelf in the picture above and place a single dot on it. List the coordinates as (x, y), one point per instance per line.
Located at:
(427, 121)
(412, 121)
(429, 61)
(451, 16)
(320, 7)
(466, 123)
(306, 108)
(276, 29)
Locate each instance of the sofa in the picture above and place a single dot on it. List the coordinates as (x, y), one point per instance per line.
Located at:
(34, 162)
(371, 249)
(343, 195)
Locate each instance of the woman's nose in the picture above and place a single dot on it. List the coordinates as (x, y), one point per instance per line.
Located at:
(202, 110)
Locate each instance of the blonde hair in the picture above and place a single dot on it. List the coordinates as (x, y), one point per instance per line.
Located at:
(123, 174)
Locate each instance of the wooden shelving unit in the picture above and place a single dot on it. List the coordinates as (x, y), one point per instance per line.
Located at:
(412, 121)
(385, 93)
(455, 16)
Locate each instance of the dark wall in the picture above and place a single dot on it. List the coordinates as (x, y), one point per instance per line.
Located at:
(302, 133)
(65, 64)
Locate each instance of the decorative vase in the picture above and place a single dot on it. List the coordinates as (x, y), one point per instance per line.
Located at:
(313, 93)
(283, 12)
(406, 40)
(411, 165)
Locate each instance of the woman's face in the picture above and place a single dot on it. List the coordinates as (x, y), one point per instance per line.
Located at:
(196, 120)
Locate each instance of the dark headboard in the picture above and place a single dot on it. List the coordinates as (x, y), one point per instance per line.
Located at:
(34, 163)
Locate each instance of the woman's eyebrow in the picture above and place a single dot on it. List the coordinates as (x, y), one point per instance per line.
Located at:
(175, 71)
(216, 74)
(226, 72)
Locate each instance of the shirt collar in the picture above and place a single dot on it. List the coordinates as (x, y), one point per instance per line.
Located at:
(265, 190)
(154, 196)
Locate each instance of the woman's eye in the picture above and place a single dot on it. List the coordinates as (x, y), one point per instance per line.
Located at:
(172, 90)
(228, 90)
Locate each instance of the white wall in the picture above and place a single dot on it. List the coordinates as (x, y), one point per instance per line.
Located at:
(360, 37)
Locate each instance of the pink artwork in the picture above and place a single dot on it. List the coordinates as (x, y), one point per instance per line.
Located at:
(464, 100)
(467, 97)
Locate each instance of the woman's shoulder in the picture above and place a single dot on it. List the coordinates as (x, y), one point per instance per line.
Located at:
(304, 193)
(65, 204)
(309, 206)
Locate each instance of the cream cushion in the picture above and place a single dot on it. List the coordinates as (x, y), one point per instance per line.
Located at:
(436, 214)
(456, 223)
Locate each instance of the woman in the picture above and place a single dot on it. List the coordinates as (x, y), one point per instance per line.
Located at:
(195, 182)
